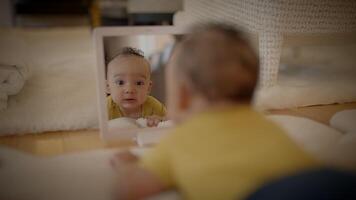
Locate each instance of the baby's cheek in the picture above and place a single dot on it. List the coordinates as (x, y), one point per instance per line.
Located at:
(143, 97)
(144, 92)
(116, 98)
(116, 101)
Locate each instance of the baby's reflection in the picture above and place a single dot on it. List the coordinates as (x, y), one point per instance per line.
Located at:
(128, 85)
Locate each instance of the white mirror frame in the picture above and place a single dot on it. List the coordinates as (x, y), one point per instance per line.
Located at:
(98, 38)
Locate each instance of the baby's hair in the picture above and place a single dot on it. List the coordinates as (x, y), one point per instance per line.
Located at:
(219, 62)
(125, 51)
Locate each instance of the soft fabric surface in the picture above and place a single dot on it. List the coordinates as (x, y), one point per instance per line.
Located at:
(312, 75)
(129, 123)
(3, 101)
(86, 175)
(325, 143)
(307, 85)
(60, 93)
(12, 80)
(151, 137)
(77, 176)
(344, 121)
(346, 149)
(271, 20)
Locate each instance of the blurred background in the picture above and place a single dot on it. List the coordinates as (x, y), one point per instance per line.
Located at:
(50, 13)
(47, 52)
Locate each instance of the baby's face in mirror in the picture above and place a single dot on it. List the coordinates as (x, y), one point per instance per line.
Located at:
(128, 82)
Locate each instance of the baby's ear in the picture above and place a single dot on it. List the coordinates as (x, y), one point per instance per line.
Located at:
(107, 88)
(185, 96)
(150, 86)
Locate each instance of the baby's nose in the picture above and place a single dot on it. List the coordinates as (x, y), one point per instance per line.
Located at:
(130, 89)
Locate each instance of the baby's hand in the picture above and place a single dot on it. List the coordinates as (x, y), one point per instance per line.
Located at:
(154, 120)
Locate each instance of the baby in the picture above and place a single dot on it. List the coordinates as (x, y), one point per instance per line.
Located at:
(129, 85)
(222, 148)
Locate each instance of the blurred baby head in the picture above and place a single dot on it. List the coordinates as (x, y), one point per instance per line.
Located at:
(128, 78)
(213, 63)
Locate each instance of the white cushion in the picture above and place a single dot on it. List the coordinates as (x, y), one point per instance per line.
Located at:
(344, 121)
(325, 143)
(314, 137)
(345, 151)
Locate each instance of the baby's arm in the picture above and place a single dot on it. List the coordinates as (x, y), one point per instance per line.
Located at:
(134, 182)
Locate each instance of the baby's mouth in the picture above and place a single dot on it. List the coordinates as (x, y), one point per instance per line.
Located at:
(129, 99)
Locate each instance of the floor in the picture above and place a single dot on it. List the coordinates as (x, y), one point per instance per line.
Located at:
(57, 143)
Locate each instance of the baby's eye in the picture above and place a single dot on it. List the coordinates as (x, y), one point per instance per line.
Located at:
(119, 82)
(140, 83)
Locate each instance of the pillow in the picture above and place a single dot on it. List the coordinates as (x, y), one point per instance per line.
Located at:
(345, 149)
(314, 137)
(325, 143)
(344, 121)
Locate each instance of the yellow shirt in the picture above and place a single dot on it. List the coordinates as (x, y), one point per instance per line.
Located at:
(225, 154)
(150, 107)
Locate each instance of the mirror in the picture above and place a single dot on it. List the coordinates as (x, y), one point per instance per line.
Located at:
(130, 78)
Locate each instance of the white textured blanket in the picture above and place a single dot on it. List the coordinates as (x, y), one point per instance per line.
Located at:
(14, 65)
(60, 93)
(300, 86)
(12, 80)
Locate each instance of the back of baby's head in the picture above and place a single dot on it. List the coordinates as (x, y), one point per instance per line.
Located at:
(219, 63)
